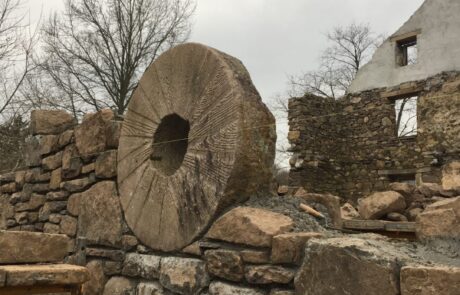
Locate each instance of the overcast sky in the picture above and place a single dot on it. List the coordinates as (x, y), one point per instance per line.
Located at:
(275, 38)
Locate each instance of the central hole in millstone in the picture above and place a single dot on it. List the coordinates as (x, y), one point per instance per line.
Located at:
(170, 143)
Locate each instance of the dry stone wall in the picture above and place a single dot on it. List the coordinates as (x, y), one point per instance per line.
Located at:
(246, 250)
(350, 147)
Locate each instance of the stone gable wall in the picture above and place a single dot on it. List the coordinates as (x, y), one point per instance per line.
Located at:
(353, 150)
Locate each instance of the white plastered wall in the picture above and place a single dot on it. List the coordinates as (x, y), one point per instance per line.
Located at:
(438, 22)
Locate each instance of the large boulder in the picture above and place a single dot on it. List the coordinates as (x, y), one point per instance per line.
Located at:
(451, 176)
(50, 121)
(250, 226)
(29, 247)
(358, 266)
(380, 204)
(430, 280)
(183, 275)
(439, 220)
(91, 136)
(100, 216)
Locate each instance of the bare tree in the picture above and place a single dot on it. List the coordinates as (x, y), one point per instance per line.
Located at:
(406, 116)
(16, 44)
(350, 48)
(95, 52)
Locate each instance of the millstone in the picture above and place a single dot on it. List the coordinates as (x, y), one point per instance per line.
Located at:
(196, 138)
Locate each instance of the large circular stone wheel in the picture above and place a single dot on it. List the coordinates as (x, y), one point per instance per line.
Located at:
(196, 138)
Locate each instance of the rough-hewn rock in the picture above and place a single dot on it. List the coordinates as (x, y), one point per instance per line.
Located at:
(255, 256)
(407, 190)
(183, 275)
(90, 135)
(394, 216)
(77, 185)
(144, 266)
(451, 176)
(71, 162)
(151, 288)
(57, 274)
(48, 144)
(347, 211)
(51, 207)
(120, 286)
(281, 292)
(97, 279)
(186, 94)
(348, 266)
(68, 226)
(250, 226)
(50, 121)
(106, 164)
(6, 211)
(439, 220)
(28, 247)
(220, 288)
(426, 280)
(290, 247)
(268, 274)
(225, 264)
(52, 162)
(100, 215)
(379, 204)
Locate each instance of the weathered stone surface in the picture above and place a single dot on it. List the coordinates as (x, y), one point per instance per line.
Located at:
(144, 266)
(290, 247)
(451, 176)
(202, 185)
(65, 138)
(129, 242)
(48, 144)
(56, 274)
(88, 168)
(250, 226)
(112, 268)
(73, 204)
(57, 196)
(379, 204)
(183, 275)
(439, 220)
(283, 190)
(120, 286)
(51, 207)
(52, 162)
(425, 280)
(21, 218)
(394, 216)
(28, 247)
(51, 228)
(347, 211)
(8, 188)
(100, 214)
(193, 249)
(115, 255)
(255, 256)
(407, 190)
(71, 162)
(331, 202)
(97, 279)
(68, 226)
(151, 288)
(220, 288)
(90, 135)
(56, 179)
(348, 266)
(225, 264)
(113, 131)
(77, 185)
(106, 164)
(430, 189)
(50, 121)
(6, 211)
(413, 213)
(268, 274)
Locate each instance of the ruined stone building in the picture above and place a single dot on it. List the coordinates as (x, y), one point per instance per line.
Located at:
(355, 145)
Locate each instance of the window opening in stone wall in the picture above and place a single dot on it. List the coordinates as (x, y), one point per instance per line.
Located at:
(407, 51)
(406, 116)
(404, 178)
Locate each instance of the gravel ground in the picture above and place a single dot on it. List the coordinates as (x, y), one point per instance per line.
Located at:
(289, 206)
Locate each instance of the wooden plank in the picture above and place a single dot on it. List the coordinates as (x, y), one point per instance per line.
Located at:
(400, 226)
(368, 225)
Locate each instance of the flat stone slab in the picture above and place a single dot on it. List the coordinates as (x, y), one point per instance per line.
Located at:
(29, 247)
(52, 274)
